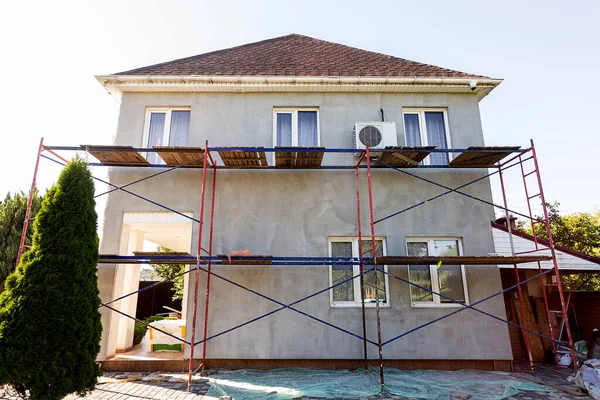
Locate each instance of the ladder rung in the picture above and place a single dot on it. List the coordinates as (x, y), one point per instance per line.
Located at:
(550, 284)
(535, 195)
(26, 246)
(529, 173)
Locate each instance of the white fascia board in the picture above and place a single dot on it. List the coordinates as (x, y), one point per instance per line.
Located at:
(196, 83)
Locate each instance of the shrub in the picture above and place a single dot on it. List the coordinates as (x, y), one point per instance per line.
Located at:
(49, 320)
(139, 330)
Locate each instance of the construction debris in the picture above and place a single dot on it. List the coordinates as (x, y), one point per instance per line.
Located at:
(588, 378)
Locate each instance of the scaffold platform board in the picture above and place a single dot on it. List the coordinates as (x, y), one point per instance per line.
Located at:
(300, 158)
(484, 159)
(188, 157)
(403, 156)
(117, 155)
(251, 157)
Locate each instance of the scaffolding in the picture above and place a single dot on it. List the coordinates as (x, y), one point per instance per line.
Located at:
(403, 159)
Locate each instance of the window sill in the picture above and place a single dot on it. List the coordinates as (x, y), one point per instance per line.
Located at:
(357, 305)
(437, 305)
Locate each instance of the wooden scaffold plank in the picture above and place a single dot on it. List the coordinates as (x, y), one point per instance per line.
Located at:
(253, 157)
(117, 155)
(482, 159)
(299, 158)
(404, 156)
(175, 156)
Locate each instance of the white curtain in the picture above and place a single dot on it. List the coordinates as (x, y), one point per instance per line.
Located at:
(436, 136)
(412, 129)
(156, 135)
(307, 129)
(284, 129)
(180, 126)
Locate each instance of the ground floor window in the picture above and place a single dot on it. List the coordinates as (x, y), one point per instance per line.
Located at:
(448, 280)
(349, 293)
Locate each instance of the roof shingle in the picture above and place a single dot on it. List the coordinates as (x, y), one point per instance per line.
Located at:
(297, 55)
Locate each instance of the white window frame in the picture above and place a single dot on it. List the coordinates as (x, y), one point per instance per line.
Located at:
(294, 112)
(423, 127)
(355, 271)
(167, 129)
(436, 302)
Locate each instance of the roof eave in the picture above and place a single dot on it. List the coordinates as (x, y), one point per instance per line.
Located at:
(220, 83)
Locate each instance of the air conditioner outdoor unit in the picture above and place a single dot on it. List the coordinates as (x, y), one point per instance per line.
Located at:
(378, 135)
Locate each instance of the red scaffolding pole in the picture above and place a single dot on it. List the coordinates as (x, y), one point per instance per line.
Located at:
(367, 156)
(29, 201)
(361, 267)
(210, 251)
(197, 273)
(375, 271)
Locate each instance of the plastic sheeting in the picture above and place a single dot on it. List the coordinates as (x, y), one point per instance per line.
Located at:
(422, 384)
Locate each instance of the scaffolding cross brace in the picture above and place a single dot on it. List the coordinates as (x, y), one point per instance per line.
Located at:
(365, 162)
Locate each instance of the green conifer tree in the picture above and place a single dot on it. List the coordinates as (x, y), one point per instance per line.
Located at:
(12, 215)
(49, 320)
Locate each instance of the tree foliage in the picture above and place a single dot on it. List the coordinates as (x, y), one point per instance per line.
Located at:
(171, 272)
(12, 216)
(577, 231)
(49, 320)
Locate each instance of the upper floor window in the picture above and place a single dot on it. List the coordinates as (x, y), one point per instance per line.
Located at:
(448, 280)
(296, 127)
(166, 127)
(428, 127)
(349, 293)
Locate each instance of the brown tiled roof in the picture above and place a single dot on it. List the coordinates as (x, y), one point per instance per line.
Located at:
(297, 55)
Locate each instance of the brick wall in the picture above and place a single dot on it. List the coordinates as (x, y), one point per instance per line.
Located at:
(587, 309)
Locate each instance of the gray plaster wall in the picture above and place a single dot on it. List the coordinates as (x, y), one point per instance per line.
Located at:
(292, 213)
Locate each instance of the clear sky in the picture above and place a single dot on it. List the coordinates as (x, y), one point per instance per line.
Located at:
(548, 53)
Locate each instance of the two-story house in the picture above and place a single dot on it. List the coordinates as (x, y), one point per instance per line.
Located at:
(299, 91)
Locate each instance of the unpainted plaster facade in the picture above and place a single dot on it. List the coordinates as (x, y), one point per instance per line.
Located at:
(293, 212)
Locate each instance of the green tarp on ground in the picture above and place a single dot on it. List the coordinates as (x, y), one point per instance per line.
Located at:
(422, 384)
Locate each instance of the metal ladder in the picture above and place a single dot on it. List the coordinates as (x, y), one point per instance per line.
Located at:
(539, 194)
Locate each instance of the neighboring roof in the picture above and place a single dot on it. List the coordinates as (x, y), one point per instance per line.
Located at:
(297, 55)
(543, 242)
